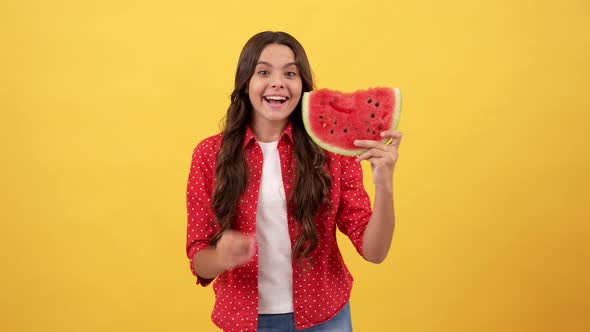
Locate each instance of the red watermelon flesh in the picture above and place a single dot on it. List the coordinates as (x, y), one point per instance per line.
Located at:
(334, 119)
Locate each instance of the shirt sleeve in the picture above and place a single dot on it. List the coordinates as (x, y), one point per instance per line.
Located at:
(201, 224)
(354, 208)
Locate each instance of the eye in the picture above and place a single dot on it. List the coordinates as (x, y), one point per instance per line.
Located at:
(290, 74)
(263, 72)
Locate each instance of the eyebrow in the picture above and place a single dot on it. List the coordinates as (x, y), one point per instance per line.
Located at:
(268, 64)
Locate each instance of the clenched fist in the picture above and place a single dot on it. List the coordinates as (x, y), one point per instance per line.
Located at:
(235, 249)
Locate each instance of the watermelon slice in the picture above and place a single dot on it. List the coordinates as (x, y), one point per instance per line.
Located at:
(334, 120)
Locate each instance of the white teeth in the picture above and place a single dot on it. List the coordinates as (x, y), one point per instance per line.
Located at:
(276, 98)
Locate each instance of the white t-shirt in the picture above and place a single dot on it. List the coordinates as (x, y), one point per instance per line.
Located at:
(275, 279)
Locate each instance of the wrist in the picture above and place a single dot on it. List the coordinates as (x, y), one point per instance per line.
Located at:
(220, 262)
(384, 188)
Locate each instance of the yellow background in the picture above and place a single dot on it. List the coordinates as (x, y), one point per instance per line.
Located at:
(102, 103)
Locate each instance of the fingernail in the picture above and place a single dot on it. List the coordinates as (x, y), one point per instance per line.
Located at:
(356, 142)
(382, 134)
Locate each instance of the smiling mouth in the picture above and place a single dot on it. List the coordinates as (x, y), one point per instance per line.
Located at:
(276, 100)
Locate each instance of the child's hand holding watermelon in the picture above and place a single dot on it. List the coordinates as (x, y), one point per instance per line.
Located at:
(383, 157)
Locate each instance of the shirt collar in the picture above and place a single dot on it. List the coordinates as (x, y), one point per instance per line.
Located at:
(249, 135)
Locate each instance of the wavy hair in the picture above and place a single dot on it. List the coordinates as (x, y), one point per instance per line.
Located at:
(312, 184)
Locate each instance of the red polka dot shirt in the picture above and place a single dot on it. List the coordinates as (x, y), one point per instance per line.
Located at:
(320, 292)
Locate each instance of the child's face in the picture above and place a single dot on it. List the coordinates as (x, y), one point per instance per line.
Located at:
(275, 87)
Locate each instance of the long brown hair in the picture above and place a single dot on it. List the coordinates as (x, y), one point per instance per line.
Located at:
(310, 193)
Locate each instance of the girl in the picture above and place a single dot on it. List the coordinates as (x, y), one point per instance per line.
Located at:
(264, 201)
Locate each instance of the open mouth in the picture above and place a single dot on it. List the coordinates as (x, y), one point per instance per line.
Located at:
(276, 100)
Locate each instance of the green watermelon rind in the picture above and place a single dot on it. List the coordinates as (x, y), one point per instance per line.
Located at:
(335, 149)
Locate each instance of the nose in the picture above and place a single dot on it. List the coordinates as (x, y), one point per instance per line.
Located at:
(277, 83)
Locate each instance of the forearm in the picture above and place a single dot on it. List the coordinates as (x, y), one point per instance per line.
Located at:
(207, 264)
(379, 232)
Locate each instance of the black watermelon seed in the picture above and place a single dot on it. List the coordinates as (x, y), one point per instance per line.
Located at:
(379, 127)
(374, 132)
(321, 116)
(332, 131)
(370, 101)
(345, 130)
(372, 115)
(335, 122)
(376, 104)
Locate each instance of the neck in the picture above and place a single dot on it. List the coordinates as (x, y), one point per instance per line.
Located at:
(268, 131)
